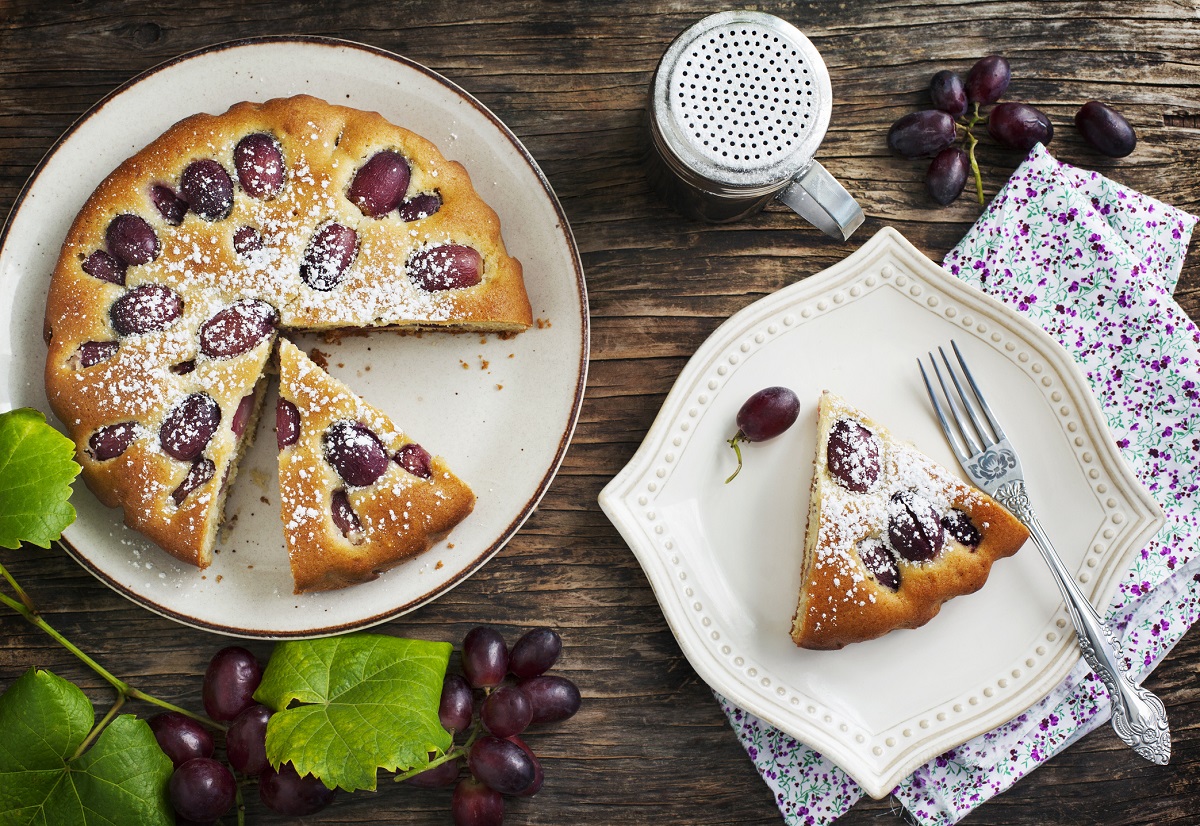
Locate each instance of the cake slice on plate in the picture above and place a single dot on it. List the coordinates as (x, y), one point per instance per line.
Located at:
(358, 495)
(891, 534)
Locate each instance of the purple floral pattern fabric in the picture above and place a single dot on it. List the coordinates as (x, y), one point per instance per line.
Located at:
(1094, 263)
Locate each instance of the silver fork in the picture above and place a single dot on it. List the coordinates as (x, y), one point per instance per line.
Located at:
(984, 452)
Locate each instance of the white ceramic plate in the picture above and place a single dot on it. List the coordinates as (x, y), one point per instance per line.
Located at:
(501, 412)
(724, 560)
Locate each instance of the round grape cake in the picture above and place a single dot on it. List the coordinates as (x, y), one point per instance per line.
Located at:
(187, 262)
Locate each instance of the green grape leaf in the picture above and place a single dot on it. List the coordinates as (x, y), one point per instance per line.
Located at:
(348, 706)
(121, 779)
(36, 468)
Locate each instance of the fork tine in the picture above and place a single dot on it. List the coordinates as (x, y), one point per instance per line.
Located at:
(985, 435)
(973, 446)
(987, 411)
(951, 436)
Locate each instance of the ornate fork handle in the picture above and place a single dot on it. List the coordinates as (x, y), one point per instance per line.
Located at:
(1138, 716)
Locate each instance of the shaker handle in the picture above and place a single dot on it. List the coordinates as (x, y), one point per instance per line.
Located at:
(819, 199)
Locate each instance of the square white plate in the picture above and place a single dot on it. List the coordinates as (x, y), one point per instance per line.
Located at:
(724, 560)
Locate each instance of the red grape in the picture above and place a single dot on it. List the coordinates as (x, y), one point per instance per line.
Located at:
(436, 778)
(202, 789)
(379, 185)
(207, 188)
(474, 804)
(259, 164)
(484, 657)
(145, 309)
(914, 528)
(506, 711)
(415, 459)
(445, 267)
(237, 329)
(538, 775)
(947, 175)
(93, 352)
(328, 256)
(535, 653)
(922, 134)
(198, 474)
(878, 560)
(112, 440)
(131, 239)
(553, 698)
(187, 429)
(287, 423)
(988, 79)
(948, 93)
(343, 515)
(170, 206)
(103, 266)
(420, 206)
(501, 765)
(1105, 130)
(180, 737)
(355, 452)
(457, 705)
(288, 793)
(229, 683)
(1019, 126)
(246, 740)
(241, 416)
(763, 416)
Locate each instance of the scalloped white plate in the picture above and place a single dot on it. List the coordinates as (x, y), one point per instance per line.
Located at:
(501, 411)
(724, 560)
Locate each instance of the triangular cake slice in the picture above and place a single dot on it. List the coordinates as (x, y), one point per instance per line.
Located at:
(891, 534)
(358, 495)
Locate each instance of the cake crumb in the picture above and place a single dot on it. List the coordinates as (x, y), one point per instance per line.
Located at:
(465, 366)
(499, 386)
(542, 323)
(220, 577)
(321, 359)
(438, 567)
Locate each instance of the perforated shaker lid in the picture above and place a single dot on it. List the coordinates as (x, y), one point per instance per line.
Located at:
(742, 99)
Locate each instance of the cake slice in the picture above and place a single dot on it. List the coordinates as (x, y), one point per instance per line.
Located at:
(891, 534)
(358, 495)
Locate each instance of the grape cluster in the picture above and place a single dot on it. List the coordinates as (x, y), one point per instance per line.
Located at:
(492, 711)
(936, 133)
(202, 788)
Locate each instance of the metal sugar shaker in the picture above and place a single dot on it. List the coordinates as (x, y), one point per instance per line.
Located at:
(739, 105)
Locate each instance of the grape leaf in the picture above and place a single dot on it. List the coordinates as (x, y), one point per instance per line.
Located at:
(36, 469)
(121, 779)
(366, 702)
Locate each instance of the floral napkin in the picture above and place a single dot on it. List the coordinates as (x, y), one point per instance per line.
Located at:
(1094, 263)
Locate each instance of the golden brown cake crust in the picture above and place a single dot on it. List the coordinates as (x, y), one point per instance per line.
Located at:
(840, 600)
(402, 515)
(322, 146)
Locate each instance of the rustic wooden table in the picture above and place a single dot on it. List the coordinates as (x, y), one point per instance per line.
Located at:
(570, 78)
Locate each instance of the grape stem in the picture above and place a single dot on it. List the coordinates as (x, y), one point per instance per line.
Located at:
(452, 753)
(971, 142)
(735, 444)
(27, 609)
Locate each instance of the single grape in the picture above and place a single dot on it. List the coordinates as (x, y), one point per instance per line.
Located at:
(553, 698)
(287, 423)
(379, 185)
(947, 175)
(415, 459)
(329, 254)
(355, 452)
(1105, 130)
(474, 804)
(539, 776)
(93, 352)
(420, 206)
(343, 515)
(535, 653)
(878, 560)
(258, 160)
(288, 793)
(914, 528)
(246, 740)
(229, 683)
(988, 79)
(436, 778)
(187, 429)
(131, 239)
(922, 134)
(445, 267)
(484, 657)
(506, 711)
(852, 455)
(948, 93)
(103, 266)
(207, 188)
(202, 789)
(170, 206)
(198, 474)
(959, 525)
(145, 309)
(457, 706)
(247, 240)
(501, 765)
(238, 328)
(180, 737)
(763, 416)
(112, 440)
(241, 416)
(1019, 126)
